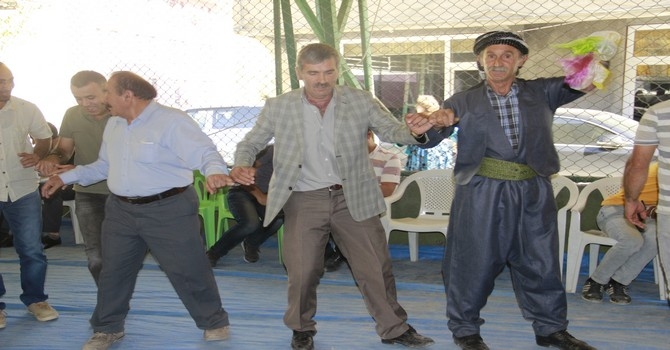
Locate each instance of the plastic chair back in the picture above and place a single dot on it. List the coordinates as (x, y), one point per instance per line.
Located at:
(207, 208)
(436, 189)
(561, 186)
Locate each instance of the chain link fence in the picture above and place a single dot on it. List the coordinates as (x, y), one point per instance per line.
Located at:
(220, 59)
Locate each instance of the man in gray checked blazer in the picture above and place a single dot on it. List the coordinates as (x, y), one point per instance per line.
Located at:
(324, 182)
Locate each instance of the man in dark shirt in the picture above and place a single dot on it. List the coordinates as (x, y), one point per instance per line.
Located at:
(247, 203)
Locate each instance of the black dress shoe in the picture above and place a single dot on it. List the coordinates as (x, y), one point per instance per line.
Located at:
(302, 340)
(251, 252)
(470, 342)
(333, 262)
(49, 242)
(562, 340)
(6, 240)
(213, 258)
(410, 339)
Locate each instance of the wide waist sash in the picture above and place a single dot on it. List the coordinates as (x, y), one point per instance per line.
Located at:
(504, 170)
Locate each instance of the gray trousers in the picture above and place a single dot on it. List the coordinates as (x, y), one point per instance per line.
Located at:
(633, 251)
(170, 229)
(91, 212)
(663, 232)
(497, 223)
(308, 219)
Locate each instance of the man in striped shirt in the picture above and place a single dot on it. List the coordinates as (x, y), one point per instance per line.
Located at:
(386, 164)
(652, 133)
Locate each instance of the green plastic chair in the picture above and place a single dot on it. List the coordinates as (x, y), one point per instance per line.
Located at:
(280, 237)
(223, 212)
(213, 208)
(206, 208)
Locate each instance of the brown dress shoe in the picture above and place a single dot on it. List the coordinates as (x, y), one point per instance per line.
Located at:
(410, 339)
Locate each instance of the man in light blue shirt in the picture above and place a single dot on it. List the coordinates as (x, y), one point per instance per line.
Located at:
(148, 155)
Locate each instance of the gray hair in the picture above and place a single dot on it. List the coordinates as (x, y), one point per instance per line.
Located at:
(317, 53)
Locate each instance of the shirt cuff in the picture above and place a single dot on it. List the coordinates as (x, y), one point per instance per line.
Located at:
(420, 138)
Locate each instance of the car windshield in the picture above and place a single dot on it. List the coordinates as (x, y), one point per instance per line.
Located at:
(226, 126)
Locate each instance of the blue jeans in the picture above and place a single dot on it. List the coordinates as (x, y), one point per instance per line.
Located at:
(91, 212)
(52, 212)
(24, 217)
(2, 292)
(249, 215)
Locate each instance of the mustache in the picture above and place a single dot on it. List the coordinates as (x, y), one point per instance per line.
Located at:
(498, 69)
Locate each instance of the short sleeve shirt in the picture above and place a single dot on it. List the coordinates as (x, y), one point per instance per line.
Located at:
(86, 132)
(654, 130)
(386, 164)
(20, 120)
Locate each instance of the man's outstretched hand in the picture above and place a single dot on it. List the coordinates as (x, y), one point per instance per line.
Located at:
(216, 181)
(53, 184)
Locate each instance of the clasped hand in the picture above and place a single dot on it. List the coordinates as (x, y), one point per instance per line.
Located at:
(47, 168)
(244, 175)
(441, 118)
(216, 181)
(28, 159)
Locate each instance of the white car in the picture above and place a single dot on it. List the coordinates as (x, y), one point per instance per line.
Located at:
(226, 126)
(592, 143)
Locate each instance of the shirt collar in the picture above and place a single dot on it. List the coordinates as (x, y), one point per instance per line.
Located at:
(512, 91)
(9, 106)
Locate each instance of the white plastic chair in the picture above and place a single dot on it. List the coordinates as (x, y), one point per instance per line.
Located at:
(559, 183)
(78, 238)
(593, 237)
(436, 189)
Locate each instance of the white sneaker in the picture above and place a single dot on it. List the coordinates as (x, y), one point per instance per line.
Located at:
(43, 311)
(102, 341)
(3, 319)
(217, 334)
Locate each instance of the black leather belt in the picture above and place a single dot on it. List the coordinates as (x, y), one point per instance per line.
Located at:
(335, 188)
(148, 199)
